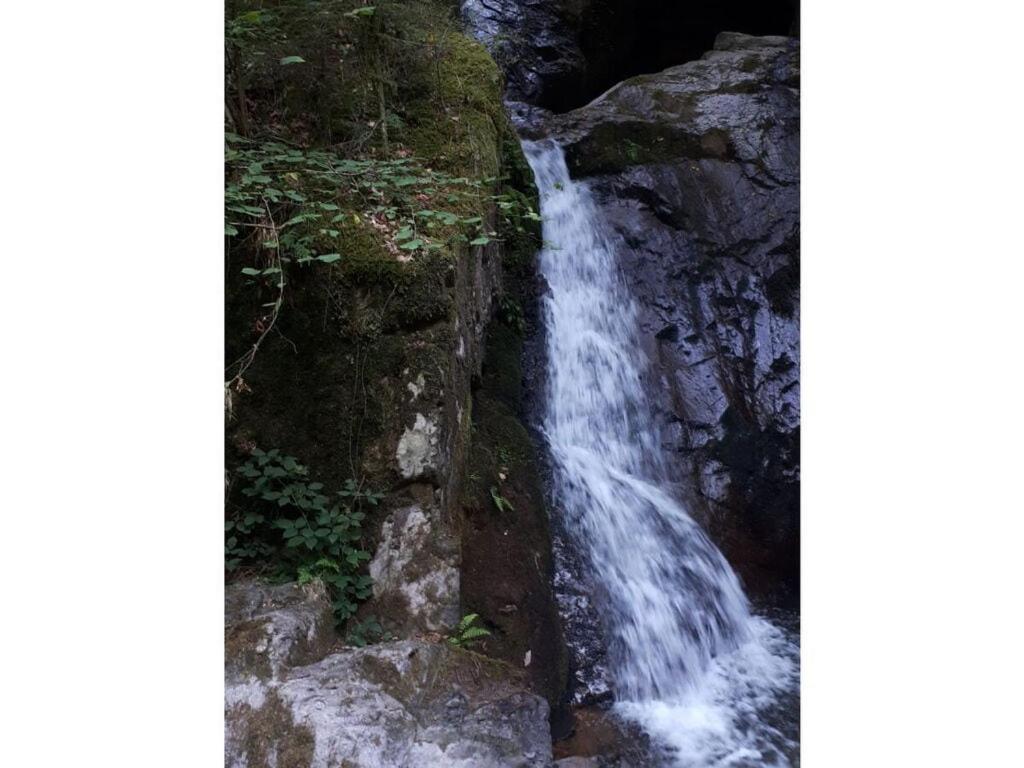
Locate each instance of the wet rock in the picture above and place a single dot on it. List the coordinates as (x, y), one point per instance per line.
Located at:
(600, 739)
(407, 704)
(696, 169)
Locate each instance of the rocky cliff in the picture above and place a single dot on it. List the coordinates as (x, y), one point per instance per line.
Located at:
(373, 368)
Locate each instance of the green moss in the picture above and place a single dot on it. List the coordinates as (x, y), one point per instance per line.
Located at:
(331, 387)
(613, 146)
(271, 737)
(454, 114)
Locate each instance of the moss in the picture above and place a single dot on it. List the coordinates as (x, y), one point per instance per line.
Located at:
(521, 235)
(502, 374)
(331, 386)
(270, 737)
(458, 119)
(240, 644)
(611, 147)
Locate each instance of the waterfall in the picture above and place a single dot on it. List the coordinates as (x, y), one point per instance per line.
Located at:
(691, 664)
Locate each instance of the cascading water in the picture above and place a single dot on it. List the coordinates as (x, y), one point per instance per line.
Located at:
(690, 663)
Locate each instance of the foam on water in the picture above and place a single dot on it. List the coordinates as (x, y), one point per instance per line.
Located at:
(691, 664)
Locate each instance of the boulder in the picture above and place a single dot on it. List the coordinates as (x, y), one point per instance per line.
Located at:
(405, 704)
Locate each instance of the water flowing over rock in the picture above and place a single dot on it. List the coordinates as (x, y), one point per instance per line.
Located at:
(696, 171)
(405, 704)
(688, 660)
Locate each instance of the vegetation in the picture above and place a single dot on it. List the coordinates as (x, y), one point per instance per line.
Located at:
(366, 153)
(296, 531)
(466, 634)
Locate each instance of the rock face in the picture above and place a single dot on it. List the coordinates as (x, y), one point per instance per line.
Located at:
(407, 704)
(696, 169)
(558, 54)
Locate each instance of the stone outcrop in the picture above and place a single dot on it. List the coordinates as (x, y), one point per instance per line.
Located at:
(696, 169)
(558, 54)
(406, 704)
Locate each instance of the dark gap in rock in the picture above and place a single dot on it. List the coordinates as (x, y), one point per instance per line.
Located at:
(645, 37)
(561, 54)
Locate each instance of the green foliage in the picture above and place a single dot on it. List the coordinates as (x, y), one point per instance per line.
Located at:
(466, 634)
(510, 312)
(503, 504)
(293, 526)
(287, 207)
(296, 202)
(364, 632)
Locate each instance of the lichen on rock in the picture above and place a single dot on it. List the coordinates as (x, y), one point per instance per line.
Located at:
(408, 704)
(417, 452)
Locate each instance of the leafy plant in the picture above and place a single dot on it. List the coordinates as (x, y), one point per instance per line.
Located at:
(297, 527)
(511, 313)
(287, 207)
(466, 634)
(365, 632)
(503, 504)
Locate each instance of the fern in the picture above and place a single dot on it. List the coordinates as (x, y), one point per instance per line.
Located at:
(466, 633)
(503, 504)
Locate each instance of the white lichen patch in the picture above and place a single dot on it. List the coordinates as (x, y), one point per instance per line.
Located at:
(416, 387)
(417, 451)
(249, 691)
(407, 565)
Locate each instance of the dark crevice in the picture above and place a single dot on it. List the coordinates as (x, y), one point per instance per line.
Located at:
(561, 54)
(652, 35)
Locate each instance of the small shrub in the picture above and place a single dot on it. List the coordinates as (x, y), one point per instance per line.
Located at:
(365, 632)
(295, 528)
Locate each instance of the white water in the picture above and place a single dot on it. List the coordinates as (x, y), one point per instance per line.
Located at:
(690, 663)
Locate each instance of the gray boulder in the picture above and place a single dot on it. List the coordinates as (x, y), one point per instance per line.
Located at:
(407, 704)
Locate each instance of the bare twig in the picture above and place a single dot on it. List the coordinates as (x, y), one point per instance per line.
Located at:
(247, 359)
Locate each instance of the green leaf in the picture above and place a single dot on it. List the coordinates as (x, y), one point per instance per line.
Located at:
(366, 10)
(230, 230)
(251, 271)
(329, 258)
(293, 60)
(483, 240)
